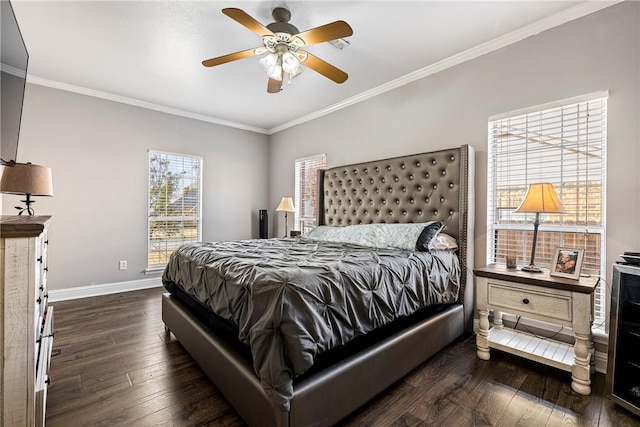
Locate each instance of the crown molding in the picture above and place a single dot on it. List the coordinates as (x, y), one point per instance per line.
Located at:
(11, 70)
(580, 10)
(143, 104)
(575, 12)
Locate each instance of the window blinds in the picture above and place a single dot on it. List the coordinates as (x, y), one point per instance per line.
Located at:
(175, 198)
(564, 144)
(306, 187)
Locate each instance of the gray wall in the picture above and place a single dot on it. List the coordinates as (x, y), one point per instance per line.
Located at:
(450, 108)
(97, 150)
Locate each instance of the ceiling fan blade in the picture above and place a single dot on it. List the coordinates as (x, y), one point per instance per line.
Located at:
(245, 19)
(274, 86)
(230, 57)
(324, 68)
(324, 33)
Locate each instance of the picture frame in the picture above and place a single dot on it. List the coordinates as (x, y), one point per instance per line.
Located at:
(567, 263)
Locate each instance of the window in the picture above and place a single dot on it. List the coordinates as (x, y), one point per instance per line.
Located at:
(175, 196)
(563, 143)
(306, 202)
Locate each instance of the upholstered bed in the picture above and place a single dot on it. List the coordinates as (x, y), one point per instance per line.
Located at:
(325, 366)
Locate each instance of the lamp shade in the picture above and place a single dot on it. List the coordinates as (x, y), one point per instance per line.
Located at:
(541, 198)
(26, 178)
(286, 205)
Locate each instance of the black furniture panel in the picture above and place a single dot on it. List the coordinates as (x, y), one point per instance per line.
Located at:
(623, 371)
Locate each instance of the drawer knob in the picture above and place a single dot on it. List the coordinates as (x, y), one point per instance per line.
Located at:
(525, 301)
(46, 269)
(39, 259)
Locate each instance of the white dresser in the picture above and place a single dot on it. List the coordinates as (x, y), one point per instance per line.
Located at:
(26, 321)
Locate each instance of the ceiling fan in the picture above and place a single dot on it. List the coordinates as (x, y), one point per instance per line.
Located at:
(282, 46)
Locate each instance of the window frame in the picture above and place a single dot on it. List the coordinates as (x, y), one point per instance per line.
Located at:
(156, 267)
(561, 229)
(304, 223)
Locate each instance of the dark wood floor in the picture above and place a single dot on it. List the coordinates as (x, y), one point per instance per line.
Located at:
(117, 367)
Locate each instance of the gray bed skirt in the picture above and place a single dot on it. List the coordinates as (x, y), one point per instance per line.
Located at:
(329, 395)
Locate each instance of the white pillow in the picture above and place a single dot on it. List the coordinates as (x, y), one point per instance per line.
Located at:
(402, 236)
(443, 242)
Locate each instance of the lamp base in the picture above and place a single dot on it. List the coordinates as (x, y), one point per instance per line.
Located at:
(531, 269)
(28, 209)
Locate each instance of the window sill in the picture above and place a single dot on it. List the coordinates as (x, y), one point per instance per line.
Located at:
(600, 336)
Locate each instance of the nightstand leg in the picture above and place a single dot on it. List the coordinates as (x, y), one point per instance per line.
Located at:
(581, 371)
(497, 319)
(482, 339)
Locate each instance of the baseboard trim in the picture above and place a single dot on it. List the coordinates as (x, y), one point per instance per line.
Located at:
(601, 362)
(103, 289)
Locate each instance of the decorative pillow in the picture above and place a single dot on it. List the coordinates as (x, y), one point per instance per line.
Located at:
(324, 232)
(428, 233)
(402, 236)
(443, 242)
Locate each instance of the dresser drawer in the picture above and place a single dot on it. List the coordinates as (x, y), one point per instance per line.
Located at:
(44, 344)
(42, 263)
(517, 300)
(41, 405)
(42, 379)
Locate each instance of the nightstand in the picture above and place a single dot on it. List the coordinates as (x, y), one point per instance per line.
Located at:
(542, 297)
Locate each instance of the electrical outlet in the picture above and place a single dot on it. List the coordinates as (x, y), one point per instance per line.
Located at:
(123, 265)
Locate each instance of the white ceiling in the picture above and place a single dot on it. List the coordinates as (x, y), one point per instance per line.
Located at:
(149, 53)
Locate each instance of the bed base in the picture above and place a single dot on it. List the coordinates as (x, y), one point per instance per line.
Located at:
(327, 396)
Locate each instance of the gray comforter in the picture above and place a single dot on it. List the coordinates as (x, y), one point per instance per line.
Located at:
(295, 298)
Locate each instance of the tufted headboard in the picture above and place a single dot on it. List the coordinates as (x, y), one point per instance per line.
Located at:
(415, 188)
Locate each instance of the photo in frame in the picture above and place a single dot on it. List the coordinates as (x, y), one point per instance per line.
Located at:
(567, 262)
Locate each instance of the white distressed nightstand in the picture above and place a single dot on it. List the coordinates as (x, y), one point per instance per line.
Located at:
(538, 296)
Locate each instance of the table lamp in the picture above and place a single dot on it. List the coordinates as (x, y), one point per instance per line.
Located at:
(27, 179)
(540, 198)
(286, 206)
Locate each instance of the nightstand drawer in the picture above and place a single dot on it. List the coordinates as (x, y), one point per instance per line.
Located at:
(522, 301)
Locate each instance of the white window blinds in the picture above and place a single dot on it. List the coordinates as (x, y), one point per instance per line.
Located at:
(562, 143)
(175, 199)
(306, 188)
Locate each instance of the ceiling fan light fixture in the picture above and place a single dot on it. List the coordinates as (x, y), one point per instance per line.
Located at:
(276, 74)
(296, 73)
(268, 63)
(290, 63)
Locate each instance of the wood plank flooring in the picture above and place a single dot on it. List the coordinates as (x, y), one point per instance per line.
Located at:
(117, 367)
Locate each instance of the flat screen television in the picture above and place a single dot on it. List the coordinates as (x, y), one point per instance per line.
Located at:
(13, 77)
